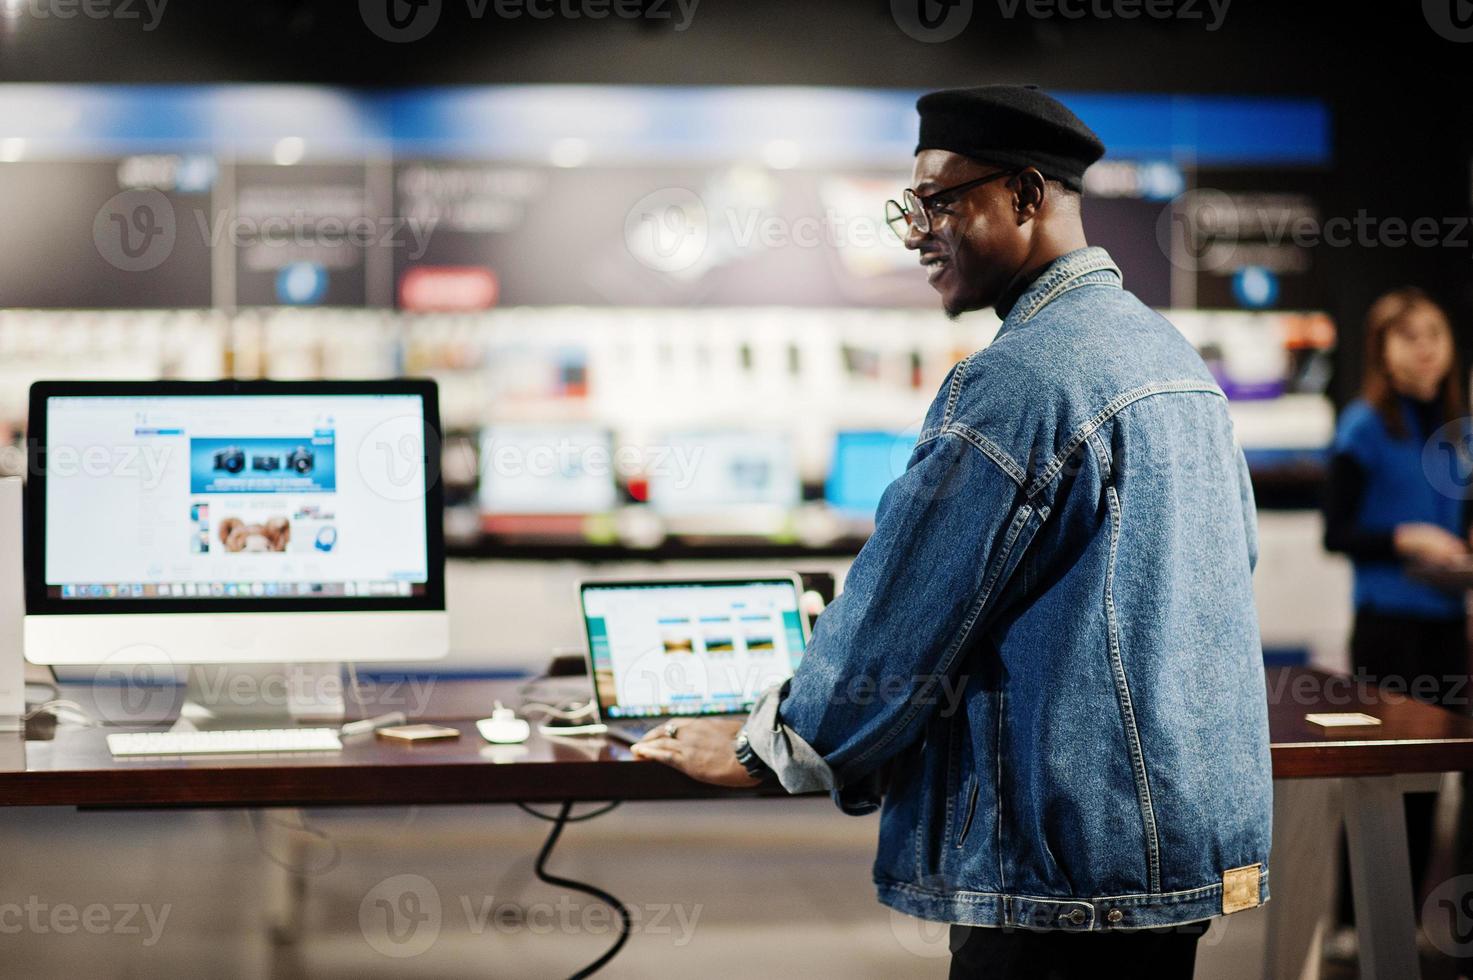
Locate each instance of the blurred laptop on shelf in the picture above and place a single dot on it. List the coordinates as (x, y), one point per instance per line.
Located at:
(547, 481)
(865, 462)
(724, 483)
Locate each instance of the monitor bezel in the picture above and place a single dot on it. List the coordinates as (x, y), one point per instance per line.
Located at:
(38, 603)
(792, 578)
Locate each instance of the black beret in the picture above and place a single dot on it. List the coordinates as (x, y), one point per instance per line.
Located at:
(1012, 126)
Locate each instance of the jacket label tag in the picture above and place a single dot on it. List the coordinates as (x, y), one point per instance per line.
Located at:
(1240, 888)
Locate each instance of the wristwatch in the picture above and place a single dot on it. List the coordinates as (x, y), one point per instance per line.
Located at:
(750, 760)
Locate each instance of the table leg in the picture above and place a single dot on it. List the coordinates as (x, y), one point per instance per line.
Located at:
(1381, 878)
(286, 880)
(1302, 864)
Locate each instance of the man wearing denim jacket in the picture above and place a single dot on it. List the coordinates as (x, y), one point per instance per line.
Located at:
(1049, 645)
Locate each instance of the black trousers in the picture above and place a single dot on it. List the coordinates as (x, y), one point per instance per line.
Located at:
(1025, 954)
(1423, 658)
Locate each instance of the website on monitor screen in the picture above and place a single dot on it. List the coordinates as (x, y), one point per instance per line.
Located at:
(234, 496)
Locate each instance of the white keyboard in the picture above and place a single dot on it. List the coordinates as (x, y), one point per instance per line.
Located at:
(225, 743)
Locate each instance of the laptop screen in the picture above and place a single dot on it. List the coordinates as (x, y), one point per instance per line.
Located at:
(690, 647)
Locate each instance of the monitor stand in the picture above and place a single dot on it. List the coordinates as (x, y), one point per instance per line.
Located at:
(239, 696)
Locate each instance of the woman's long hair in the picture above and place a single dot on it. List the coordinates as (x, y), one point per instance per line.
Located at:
(1384, 314)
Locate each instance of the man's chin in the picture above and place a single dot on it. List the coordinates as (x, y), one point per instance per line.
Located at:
(955, 306)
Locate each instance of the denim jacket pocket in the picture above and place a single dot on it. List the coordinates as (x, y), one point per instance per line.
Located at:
(969, 812)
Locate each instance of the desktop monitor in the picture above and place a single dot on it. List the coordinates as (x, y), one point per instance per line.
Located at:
(550, 470)
(865, 463)
(240, 522)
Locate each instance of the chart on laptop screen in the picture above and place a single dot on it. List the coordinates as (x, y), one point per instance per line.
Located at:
(690, 648)
(252, 496)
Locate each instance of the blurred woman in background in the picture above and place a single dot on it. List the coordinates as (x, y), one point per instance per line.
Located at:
(1398, 498)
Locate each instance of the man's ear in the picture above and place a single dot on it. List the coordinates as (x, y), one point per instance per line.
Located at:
(1029, 193)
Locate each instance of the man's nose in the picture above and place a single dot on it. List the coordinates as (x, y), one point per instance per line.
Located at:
(913, 236)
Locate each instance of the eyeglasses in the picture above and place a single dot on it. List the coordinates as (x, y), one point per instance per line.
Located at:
(912, 209)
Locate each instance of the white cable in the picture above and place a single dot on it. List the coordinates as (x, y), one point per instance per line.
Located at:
(59, 705)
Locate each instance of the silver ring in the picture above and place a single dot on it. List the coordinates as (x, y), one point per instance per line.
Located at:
(670, 729)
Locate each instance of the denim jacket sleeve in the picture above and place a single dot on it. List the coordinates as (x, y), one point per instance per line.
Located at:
(886, 653)
(1250, 509)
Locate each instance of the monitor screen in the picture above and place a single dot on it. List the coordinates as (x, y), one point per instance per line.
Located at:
(667, 648)
(865, 463)
(534, 469)
(712, 472)
(237, 497)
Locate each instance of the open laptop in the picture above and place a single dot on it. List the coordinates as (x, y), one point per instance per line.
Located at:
(671, 648)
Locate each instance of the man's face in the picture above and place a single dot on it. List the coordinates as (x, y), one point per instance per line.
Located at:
(975, 245)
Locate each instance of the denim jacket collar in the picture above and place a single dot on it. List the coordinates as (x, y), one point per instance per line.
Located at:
(1082, 266)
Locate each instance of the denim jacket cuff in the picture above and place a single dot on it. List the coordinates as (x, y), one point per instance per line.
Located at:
(797, 764)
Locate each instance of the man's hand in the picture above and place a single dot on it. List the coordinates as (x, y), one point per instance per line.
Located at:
(701, 748)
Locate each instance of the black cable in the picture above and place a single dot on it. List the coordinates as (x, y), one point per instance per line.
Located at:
(578, 819)
(558, 822)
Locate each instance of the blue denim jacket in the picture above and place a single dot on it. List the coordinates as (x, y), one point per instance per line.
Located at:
(1052, 637)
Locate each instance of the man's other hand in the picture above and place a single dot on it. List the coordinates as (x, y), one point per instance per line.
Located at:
(701, 748)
